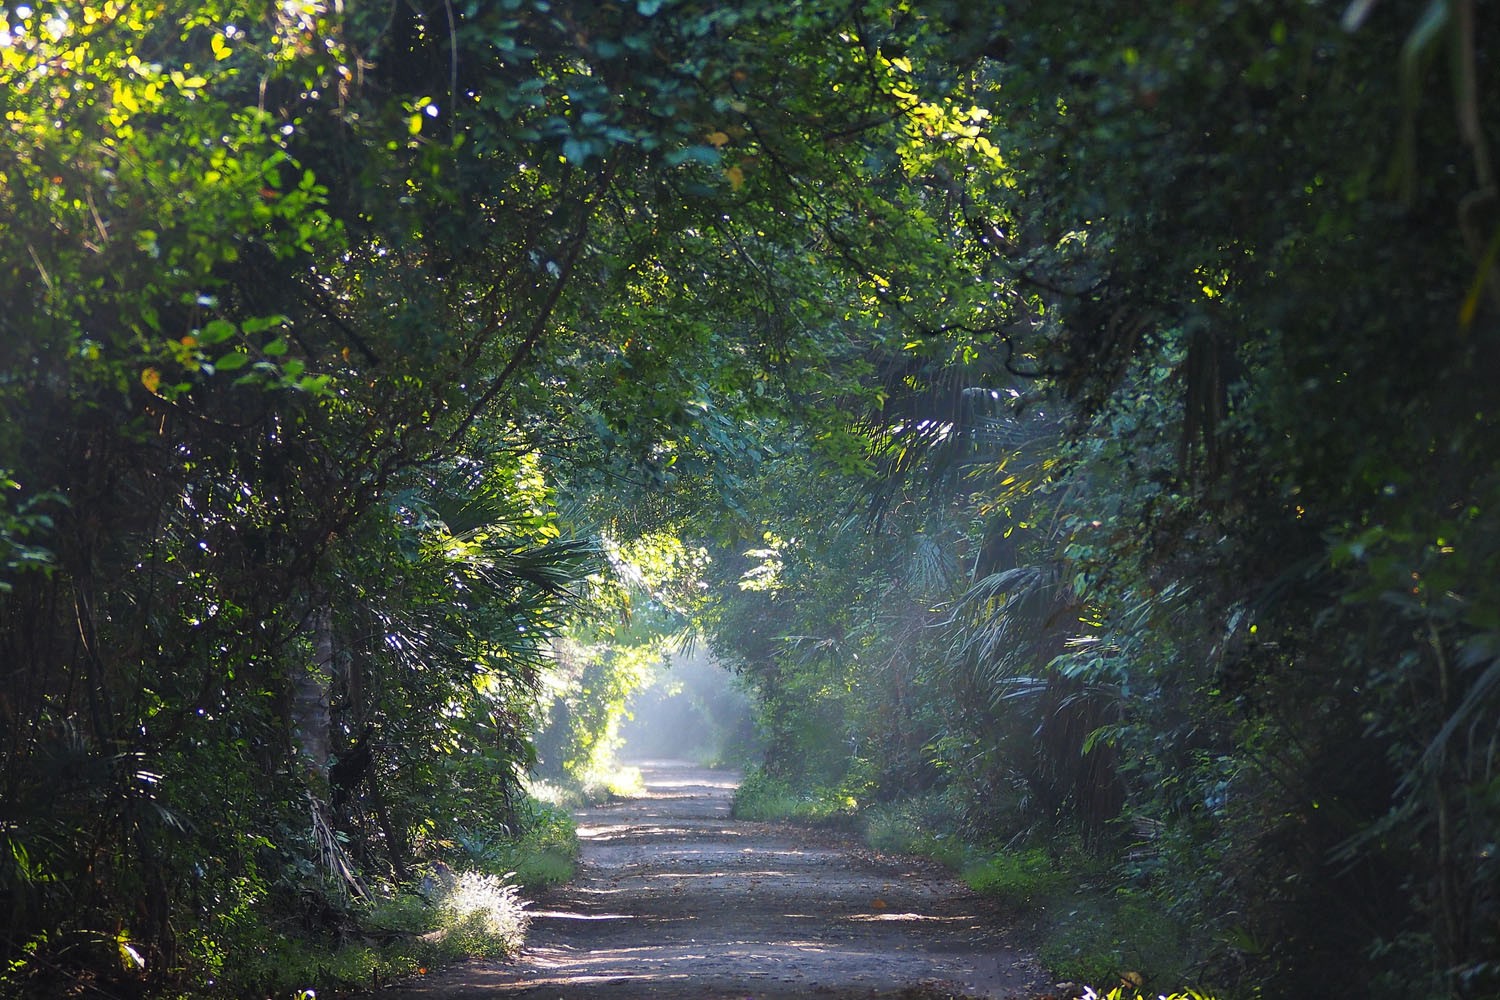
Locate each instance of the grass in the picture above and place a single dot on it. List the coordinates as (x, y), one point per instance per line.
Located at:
(564, 797)
(1088, 928)
(607, 782)
(762, 797)
(481, 915)
(1020, 877)
(1102, 937)
(472, 909)
(611, 783)
(396, 936)
(918, 826)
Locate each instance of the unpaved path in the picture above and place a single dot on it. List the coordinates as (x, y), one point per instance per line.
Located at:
(676, 900)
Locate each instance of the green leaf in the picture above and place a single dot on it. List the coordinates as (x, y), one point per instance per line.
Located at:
(217, 331)
(314, 384)
(258, 324)
(707, 155)
(232, 361)
(577, 151)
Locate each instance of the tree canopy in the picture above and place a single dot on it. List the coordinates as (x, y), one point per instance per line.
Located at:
(1084, 415)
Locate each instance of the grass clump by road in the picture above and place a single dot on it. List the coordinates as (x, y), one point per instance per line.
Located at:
(539, 854)
(611, 782)
(396, 934)
(1022, 877)
(607, 781)
(463, 900)
(761, 796)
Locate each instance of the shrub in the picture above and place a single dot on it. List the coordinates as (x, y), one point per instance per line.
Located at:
(611, 781)
(1096, 937)
(926, 825)
(540, 853)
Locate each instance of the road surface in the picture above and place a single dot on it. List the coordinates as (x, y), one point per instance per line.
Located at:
(674, 900)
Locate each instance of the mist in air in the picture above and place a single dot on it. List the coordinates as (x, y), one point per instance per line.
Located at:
(694, 710)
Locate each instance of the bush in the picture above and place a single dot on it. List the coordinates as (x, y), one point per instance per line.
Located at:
(541, 852)
(465, 915)
(471, 910)
(1097, 937)
(611, 781)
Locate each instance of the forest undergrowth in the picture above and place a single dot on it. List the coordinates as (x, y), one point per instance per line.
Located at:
(466, 899)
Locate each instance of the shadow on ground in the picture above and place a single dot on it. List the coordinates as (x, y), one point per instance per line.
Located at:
(675, 899)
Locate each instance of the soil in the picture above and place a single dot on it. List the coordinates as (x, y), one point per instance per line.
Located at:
(674, 899)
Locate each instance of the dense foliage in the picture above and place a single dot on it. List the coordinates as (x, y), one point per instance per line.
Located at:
(1193, 557)
(310, 312)
(1077, 419)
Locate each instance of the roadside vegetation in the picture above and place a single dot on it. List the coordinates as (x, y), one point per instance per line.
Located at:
(402, 936)
(1088, 926)
(466, 900)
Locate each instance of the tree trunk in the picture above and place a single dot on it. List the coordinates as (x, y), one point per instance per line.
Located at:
(311, 720)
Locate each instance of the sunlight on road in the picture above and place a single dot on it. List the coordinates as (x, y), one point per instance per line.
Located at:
(676, 900)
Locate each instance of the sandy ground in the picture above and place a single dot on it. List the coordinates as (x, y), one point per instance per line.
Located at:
(676, 900)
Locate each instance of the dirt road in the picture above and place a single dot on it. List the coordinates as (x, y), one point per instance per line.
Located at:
(676, 900)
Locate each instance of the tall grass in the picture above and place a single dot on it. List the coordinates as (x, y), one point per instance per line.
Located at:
(480, 915)
(400, 935)
(762, 797)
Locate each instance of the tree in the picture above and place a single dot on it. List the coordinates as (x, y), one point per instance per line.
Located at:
(376, 258)
(1265, 533)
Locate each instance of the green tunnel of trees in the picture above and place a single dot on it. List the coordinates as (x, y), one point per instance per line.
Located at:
(1084, 413)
